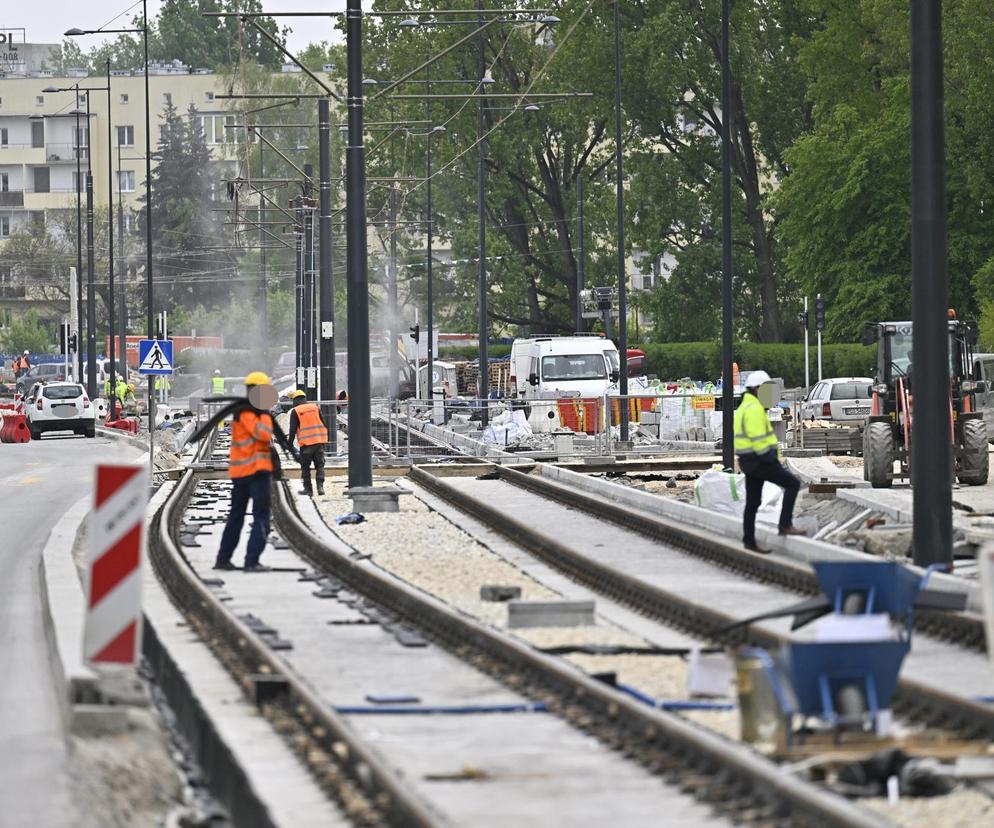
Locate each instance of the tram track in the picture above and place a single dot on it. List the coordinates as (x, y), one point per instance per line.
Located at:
(915, 700)
(730, 777)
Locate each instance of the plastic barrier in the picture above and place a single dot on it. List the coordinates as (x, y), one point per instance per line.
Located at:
(14, 429)
(578, 415)
(128, 424)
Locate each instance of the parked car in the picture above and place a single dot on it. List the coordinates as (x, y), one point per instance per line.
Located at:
(841, 399)
(44, 372)
(59, 406)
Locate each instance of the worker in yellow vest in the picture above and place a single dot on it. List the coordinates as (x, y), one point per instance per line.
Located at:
(758, 451)
(308, 426)
(217, 383)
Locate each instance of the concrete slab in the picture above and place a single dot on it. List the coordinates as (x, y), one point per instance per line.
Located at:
(550, 613)
(374, 499)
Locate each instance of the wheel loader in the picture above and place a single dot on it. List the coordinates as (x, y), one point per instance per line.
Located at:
(887, 433)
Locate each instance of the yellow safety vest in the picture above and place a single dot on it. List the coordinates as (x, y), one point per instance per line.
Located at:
(753, 431)
(217, 385)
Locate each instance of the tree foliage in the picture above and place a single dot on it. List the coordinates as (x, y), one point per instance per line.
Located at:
(26, 333)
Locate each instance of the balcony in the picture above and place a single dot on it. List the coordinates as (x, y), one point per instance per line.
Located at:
(55, 199)
(64, 153)
(21, 154)
(12, 198)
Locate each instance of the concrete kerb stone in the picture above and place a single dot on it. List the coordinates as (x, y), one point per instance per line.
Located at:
(821, 469)
(120, 436)
(63, 611)
(793, 547)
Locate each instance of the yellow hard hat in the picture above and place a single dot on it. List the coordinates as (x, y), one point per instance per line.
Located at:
(297, 394)
(131, 387)
(257, 378)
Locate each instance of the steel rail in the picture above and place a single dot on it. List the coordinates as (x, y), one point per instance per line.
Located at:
(962, 628)
(387, 794)
(726, 774)
(973, 718)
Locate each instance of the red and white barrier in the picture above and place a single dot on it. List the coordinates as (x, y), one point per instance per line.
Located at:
(112, 633)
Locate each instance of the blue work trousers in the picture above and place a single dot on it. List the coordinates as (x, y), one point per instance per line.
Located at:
(258, 489)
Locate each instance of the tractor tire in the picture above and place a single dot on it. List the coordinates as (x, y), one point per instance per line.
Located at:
(878, 455)
(974, 461)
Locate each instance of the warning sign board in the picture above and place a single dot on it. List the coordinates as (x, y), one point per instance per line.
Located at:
(155, 356)
(702, 402)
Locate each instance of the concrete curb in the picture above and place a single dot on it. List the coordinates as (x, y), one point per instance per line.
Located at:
(120, 436)
(817, 469)
(63, 611)
(795, 547)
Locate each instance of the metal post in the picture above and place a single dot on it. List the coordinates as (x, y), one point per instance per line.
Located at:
(298, 291)
(430, 288)
(620, 197)
(931, 451)
(360, 445)
(484, 328)
(263, 288)
(91, 316)
(392, 309)
(807, 361)
(110, 242)
(79, 243)
(581, 252)
(309, 308)
(326, 384)
(149, 305)
(727, 381)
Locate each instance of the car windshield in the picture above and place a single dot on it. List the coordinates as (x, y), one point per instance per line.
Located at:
(900, 349)
(851, 391)
(62, 392)
(613, 359)
(574, 367)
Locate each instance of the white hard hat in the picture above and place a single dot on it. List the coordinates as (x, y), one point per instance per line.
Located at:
(25, 353)
(217, 372)
(756, 379)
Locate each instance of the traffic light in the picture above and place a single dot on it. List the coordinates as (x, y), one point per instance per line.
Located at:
(73, 343)
(802, 317)
(820, 314)
(416, 334)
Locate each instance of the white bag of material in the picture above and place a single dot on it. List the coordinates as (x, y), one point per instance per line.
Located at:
(724, 492)
(507, 429)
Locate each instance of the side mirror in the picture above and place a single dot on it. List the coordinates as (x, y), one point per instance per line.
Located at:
(533, 379)
(869, 392)
(980, 387)
(871, 333)
(615, 376)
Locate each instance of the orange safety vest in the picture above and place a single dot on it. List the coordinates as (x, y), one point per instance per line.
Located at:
(251, 438)
(311, 431)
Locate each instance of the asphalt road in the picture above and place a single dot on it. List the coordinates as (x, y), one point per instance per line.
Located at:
(38, 482)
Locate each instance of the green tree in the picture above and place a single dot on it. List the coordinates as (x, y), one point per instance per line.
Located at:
(26, 333)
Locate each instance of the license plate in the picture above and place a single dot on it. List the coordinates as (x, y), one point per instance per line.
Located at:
(862, 412)
(64, 410)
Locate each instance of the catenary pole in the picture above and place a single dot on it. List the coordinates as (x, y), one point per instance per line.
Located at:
(326, 385)
(620, 199)
(727, 379)
(931, 449)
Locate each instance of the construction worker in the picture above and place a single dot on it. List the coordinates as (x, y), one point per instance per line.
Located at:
(25, 363)
(758, 451)
(250, 467)
(308, 426)
(162, 387)
(217, 383)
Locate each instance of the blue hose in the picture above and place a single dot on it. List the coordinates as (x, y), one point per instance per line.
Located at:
(428, 710)
(672, 705)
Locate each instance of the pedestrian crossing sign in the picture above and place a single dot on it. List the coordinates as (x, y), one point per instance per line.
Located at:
(155, 356)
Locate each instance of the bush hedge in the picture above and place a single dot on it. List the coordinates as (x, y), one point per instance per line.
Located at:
(702, 360)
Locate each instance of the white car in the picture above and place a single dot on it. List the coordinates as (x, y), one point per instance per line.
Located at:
(59, 406)
(842, 399)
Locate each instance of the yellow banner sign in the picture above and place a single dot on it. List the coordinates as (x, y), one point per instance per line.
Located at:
(703, 402)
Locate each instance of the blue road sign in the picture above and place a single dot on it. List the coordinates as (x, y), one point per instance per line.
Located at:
(155, 356)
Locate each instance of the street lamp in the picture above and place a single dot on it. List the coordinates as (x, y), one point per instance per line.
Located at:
(149, 329)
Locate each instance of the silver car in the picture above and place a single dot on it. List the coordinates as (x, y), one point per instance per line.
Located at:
(842, 399)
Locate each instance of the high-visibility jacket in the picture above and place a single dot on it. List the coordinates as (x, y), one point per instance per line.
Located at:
(753, 431)
(311, 431)
(217, 385)
(162, 382)
(251, 441)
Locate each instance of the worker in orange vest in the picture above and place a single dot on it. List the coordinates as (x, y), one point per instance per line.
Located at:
(311, 431)
(251, 461)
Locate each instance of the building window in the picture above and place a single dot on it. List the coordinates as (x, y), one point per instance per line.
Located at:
(125, 136)
(4, 136)
(124, 99)
(167, 98)
(4, 227)
(209, 96)
(4, 183)
(126, 181)
(39, 100)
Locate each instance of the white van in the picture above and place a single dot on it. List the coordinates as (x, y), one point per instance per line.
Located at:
(547, 367)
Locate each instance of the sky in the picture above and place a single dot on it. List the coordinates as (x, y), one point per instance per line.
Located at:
(46, 20)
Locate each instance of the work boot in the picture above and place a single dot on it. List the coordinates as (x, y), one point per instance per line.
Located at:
(257, 567)
(791, 530)
(320, 490)
(753, 547)
(305, 492)
(225, 565)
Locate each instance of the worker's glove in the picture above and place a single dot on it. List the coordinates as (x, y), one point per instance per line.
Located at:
(296, 455)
